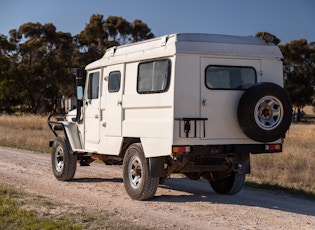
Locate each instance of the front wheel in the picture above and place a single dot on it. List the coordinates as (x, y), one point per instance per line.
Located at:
(64, 164)
(137, 180)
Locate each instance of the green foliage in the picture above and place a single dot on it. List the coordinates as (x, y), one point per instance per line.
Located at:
(299, 71)
(36, 60)
(12, 217)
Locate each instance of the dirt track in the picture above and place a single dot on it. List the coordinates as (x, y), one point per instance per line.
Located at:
(178, 204)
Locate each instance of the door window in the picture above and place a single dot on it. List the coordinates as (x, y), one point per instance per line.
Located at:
(93, 87)
(114, 82)
(230, 77)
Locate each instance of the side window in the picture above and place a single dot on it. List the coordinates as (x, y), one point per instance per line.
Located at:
(230, 77)
(154, 76)
(114, 82)
(93, 86)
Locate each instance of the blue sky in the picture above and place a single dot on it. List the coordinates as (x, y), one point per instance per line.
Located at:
(287, 19)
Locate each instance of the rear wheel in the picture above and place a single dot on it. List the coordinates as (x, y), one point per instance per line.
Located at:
(230, 185)
(64, 164)
(232, 182)
(193, 175)
(137, 180)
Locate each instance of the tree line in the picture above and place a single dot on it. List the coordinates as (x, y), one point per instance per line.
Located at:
(36, 61)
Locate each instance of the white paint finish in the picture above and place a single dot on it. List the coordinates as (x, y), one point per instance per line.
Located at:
(155, 147)
(151, 117)
(112, 115)
(91, 115)
(272, 71)
(221, 105)
(190, 43)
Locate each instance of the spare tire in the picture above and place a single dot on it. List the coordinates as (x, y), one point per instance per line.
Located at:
(264, 112)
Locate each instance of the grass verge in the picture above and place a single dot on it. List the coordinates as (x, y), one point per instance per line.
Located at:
(281, 189)
(19, 210)
(14, 217)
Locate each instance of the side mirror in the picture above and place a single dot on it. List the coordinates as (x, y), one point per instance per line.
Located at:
(80, 81)
(80, 92)
(78, 72)
(79, 76)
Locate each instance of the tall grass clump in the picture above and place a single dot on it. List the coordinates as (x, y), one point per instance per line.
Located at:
(26, 131)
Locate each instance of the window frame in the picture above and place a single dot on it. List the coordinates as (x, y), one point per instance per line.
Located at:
(109, 77)
(90, 95)
(169, 67)
(229, 66)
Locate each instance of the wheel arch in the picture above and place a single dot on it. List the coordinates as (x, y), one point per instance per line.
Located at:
(156, 164)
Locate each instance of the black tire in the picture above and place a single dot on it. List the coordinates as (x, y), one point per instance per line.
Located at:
(229, 185)
(193, 175)
(64, 164)
(137, 180)
(264, 112)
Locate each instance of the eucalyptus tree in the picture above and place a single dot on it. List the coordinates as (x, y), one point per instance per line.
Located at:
(35, 60)
(100, 34)
(40, 60)
(8, 97)
(140, 31)
(119, 29)
(299, 71)
(93, 40)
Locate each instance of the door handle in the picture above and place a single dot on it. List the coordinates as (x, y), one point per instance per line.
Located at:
(96, 116)
(119, 102)
(204, 101)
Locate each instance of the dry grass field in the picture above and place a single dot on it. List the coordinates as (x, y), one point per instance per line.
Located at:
(293, 168)
(27, 132)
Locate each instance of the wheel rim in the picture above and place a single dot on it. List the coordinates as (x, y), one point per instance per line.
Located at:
(134, 172)
(59, 156)
(268, 112)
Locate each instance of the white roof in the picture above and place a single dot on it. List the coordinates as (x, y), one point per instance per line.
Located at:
(190, 43)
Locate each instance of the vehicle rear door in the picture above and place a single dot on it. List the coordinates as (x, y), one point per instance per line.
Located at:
(223, 81)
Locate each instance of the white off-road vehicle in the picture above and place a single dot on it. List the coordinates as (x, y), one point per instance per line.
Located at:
(195, 104)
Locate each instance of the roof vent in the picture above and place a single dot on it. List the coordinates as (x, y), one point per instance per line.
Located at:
(112, 51)
(163, 41)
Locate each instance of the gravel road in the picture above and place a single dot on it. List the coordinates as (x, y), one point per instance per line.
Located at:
(179, 203)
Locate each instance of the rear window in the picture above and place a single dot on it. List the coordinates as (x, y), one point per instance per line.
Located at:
(154, 76)
(230, 77)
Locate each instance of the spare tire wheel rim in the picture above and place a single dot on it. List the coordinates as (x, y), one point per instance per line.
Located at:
(268, 112)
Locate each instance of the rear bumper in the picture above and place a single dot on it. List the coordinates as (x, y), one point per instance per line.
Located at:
(233, 148)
